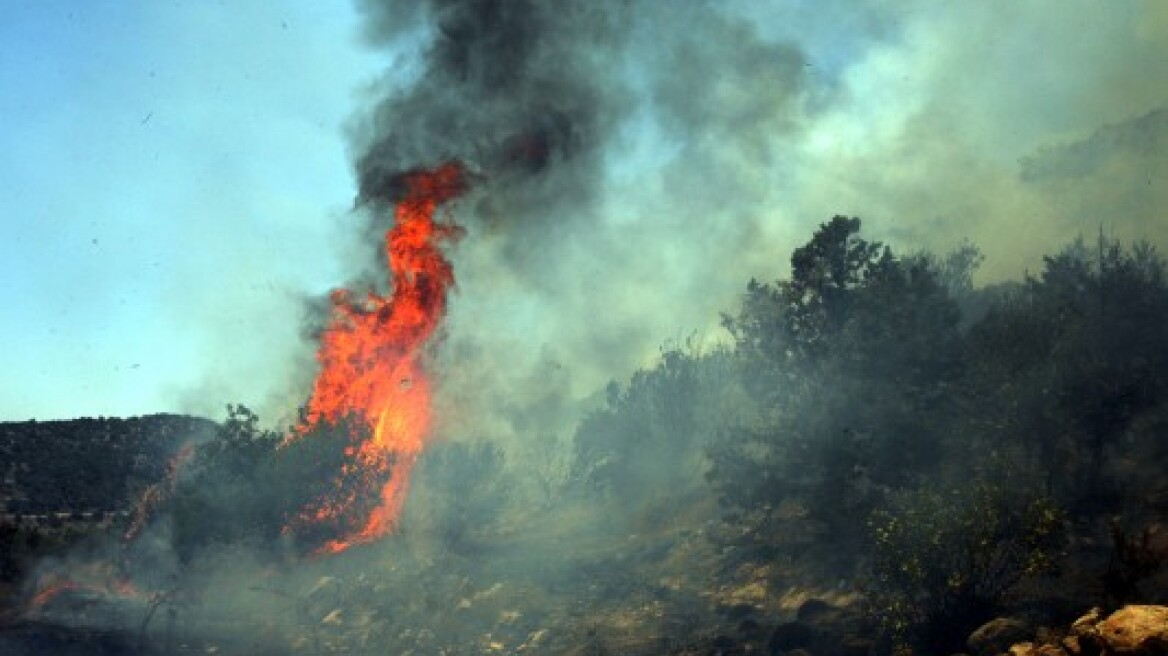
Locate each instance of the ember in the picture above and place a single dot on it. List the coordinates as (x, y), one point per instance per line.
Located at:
(88, 584)
(155, 495)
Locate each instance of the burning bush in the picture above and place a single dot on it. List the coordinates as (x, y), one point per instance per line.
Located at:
(248, 486)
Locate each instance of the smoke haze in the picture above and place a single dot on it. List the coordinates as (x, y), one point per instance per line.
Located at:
(637, 163)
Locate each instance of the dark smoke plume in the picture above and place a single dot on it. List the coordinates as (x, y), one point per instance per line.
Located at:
(573, 243)
(519, 91)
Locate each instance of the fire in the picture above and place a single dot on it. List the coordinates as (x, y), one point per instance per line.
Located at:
(154, 495)
(371, 366)
(90, 582)
(50, 590)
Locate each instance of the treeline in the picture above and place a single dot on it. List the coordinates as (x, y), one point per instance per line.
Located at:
(53, 473)
(885, 420)
(88, 464)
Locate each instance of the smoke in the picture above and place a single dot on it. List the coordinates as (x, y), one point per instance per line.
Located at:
(608, 140)
(947, 130)
(639, 162)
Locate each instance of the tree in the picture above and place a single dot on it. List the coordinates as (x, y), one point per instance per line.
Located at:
(849, 360)
(1072, 361)
(216, 494)
(649, 434)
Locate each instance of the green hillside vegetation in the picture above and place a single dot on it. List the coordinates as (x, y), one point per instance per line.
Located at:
(89, 463)
(65, 482)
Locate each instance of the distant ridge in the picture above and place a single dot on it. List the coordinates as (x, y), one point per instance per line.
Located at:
(88, 464)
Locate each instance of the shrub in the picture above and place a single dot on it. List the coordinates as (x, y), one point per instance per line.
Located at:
(460, 491)
(943, 560)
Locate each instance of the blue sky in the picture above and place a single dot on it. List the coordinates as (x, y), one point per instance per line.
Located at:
(168, 169)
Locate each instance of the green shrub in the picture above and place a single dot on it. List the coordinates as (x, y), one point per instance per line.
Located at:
(942, 561)
(459, 493)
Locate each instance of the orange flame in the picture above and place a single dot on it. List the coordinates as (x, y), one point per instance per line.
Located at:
(47, 593)
(370, 356)
(97, 580)
(154, 495)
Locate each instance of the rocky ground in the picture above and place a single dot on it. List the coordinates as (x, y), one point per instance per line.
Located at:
(673, 580)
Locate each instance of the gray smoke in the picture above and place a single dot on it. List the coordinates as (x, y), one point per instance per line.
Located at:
(520, 92)
(610, 142)
(635, 163)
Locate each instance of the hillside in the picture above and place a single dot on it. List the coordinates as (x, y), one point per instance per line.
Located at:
(87, 464)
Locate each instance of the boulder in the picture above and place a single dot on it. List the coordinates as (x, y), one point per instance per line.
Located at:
(1084, 627)
(1137, 630)
(1032, 649)
(997, 635)
(1129, 631)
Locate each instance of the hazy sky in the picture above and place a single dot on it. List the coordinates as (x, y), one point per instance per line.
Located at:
(175, 178)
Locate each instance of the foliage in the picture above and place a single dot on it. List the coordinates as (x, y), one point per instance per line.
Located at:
(246, 485)
(215, 497)
(1072, 361)
(315, 471)
(461, 490)
(943, 560)
(23, 544)
(648, 435)
(1134, 558)
(89, 463)
(848, 391)
(850, 361)
(19, 546)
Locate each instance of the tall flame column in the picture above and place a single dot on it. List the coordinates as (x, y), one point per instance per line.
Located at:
(371, 365)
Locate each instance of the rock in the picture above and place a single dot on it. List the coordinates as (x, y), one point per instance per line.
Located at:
(996, 636)
(1072, 646)
(1137, 630)
(1130, 631)
(737, 611)
(1084, 627)
(752, 593)
(324, 584)
(817, 611)
(1031, 649)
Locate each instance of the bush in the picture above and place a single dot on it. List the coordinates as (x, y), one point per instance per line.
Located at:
(247, 485)
(460, 491)
(943, 561)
